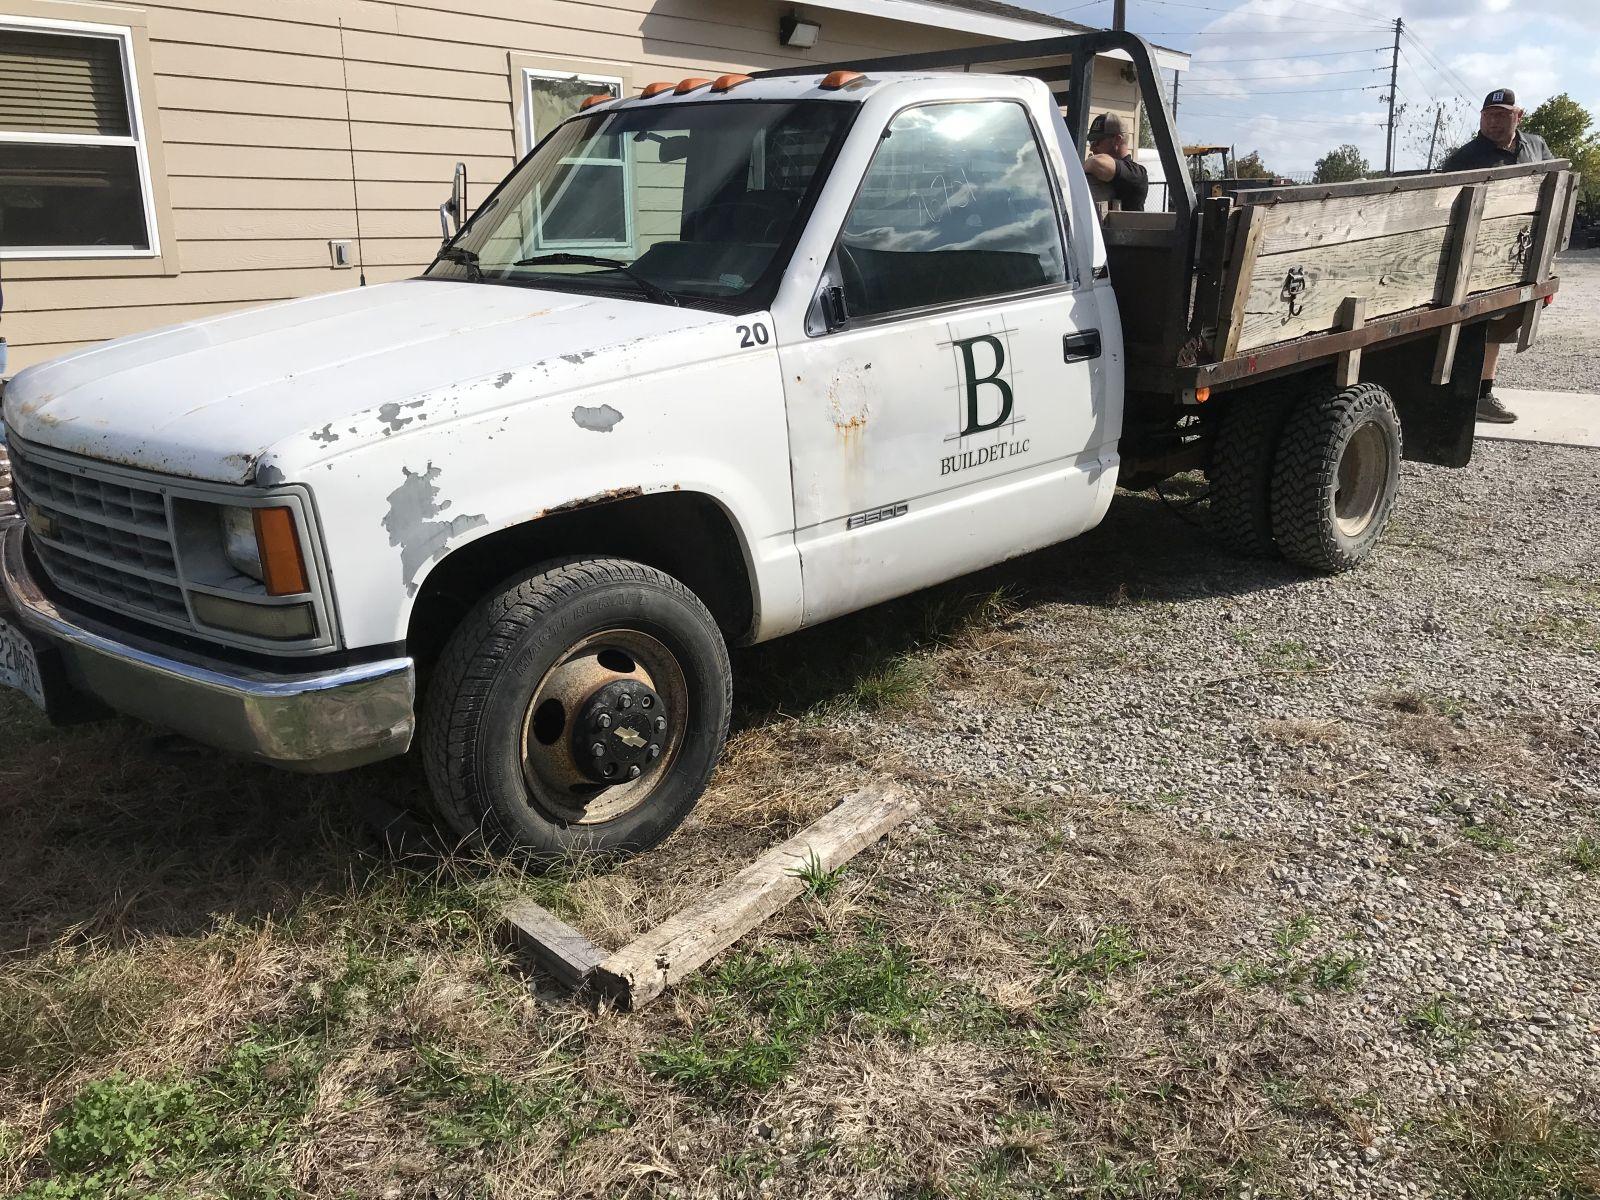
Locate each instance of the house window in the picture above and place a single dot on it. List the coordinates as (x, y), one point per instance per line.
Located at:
(74, 173)
(604, 222)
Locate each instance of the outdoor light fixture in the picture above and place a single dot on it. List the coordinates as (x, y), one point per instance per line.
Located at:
(802, 35)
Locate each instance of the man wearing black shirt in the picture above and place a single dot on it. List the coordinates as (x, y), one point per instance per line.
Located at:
(1116, 178)
(1499, 144)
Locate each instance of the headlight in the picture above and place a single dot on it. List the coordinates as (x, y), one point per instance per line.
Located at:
(264, 544)
(239, 542)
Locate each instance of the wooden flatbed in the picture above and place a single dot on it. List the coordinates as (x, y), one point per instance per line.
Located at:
(1395, 280)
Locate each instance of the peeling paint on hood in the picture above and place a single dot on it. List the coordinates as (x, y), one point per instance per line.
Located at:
(211, 399)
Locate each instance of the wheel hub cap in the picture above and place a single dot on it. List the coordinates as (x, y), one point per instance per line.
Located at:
(620, 731)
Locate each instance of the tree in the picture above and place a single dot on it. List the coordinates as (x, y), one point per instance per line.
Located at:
(1564, 124)
(1341, 165)
(1251, 167)
(1147, 139)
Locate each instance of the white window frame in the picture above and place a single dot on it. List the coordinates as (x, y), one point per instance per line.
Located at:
(123, 35)
(536, 135)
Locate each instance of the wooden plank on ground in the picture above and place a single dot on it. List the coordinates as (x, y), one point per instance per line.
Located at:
(1393, 274)
(1236, 280)
(1458, 271)
(1347, 367)
(1542, 251)
(1311, 223)
(553, 944)
(644, 968)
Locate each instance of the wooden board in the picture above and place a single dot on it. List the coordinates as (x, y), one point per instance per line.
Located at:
(644, 968)
(1236, 275)
(557, 947)
(1458, 272)
(1546, 238)
(1392, 274)
(1311, 223)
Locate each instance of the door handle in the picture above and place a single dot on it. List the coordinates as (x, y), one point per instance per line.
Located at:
(1079, 347)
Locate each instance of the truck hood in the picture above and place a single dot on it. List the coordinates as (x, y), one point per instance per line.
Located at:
(210, 399)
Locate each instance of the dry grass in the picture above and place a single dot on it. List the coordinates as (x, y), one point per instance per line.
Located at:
(219, 982)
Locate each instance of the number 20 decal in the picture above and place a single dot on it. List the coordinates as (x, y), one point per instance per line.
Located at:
(753, 335)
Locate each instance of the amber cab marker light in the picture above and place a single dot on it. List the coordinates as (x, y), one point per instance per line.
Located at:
(281, 560)
(593, 100)
(835, 80)
(656, 88)
(688, 85)
(726, 83)
(1201, 395)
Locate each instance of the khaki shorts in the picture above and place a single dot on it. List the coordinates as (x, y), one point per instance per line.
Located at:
(1504, 328)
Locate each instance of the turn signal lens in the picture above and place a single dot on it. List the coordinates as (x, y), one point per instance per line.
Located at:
(281, 560)
(1201, 395)
(275, 622)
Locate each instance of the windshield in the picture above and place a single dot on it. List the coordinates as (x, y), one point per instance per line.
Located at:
(682, 203)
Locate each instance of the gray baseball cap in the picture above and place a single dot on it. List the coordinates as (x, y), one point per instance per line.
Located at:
(1106, 125)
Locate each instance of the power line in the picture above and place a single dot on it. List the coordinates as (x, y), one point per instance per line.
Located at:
(1214, 8)
(1445, 72)
(1348, 121)
(1287, 57)
(1255, 33)
(1290, 92)
(1302, 75)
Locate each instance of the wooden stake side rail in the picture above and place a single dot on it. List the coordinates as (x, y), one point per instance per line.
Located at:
(1270, 360)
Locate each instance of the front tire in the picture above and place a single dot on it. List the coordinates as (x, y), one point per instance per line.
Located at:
(579, 710)
(1335, 478)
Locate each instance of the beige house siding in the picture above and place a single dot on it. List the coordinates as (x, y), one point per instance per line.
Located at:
(245, 103)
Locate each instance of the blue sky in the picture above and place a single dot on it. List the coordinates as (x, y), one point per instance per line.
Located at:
(1293, 78)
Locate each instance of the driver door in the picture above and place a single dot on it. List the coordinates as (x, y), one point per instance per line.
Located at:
(949, 416)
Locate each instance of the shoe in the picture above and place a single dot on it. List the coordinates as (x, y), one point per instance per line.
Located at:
(1491, 410)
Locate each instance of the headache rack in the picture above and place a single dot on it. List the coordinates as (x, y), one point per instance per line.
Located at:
(1230, 290)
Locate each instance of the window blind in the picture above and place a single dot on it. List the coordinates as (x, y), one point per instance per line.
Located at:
(55, 84)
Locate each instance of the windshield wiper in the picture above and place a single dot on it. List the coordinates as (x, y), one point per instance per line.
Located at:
(460, 254)
(654, 290)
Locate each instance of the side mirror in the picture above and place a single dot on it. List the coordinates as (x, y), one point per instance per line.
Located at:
(453, 212)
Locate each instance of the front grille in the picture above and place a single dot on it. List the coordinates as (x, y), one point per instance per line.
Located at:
(103, 540)
(8, 500)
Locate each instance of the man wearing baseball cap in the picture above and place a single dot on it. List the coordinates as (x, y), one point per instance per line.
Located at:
(1116, 178)
(1499, 144)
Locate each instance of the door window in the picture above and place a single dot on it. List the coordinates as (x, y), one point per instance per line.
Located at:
(957, 205)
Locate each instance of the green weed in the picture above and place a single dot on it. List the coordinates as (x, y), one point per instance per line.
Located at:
(1584, 854)
(820, 881)
(1511, 1148)
(1112, 950)
(767, 1007)
(1434, 1022)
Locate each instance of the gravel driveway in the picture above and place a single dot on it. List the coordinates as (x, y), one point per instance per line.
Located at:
(1566, 358)
(1230, 881)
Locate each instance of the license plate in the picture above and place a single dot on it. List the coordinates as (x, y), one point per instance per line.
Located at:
(19, 665)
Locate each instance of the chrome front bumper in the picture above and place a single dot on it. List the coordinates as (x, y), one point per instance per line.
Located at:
(324, 721)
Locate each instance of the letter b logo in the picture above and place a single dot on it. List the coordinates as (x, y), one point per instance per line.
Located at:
(974, 381)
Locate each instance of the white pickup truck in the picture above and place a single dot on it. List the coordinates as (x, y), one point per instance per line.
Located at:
(715, 362)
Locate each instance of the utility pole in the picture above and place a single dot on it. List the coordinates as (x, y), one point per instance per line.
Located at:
(1394, 81)
(1119, 19)
(1438, 117)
